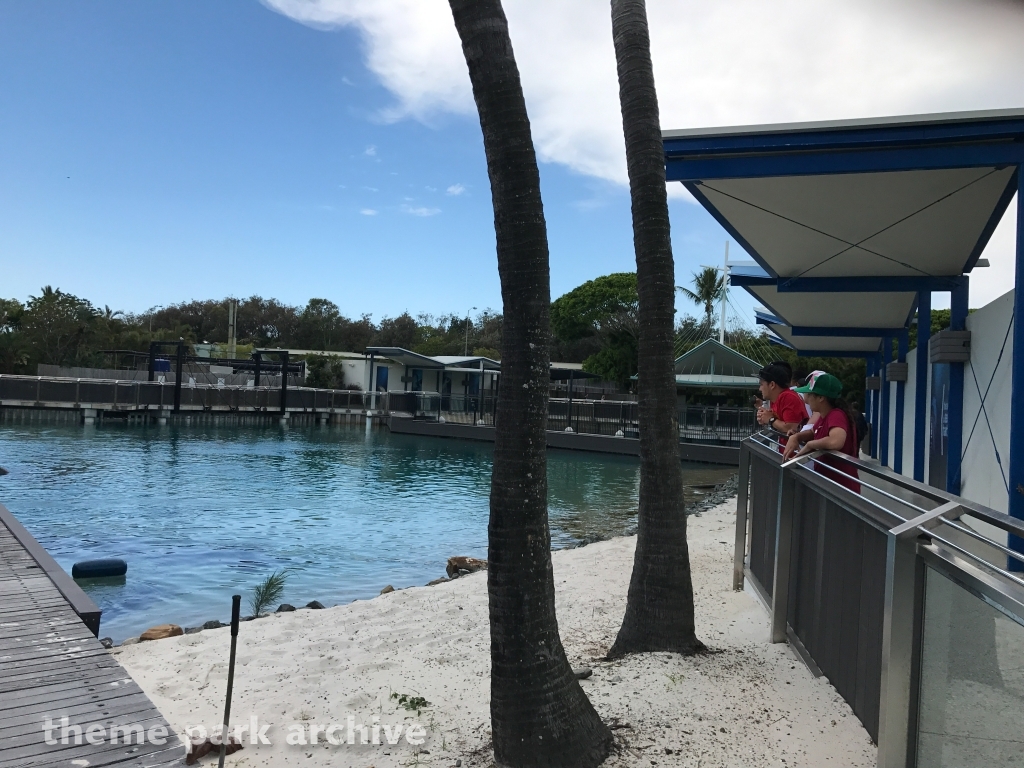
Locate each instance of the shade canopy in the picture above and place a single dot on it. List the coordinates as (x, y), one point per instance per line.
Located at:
(712, 365)
(849, 219)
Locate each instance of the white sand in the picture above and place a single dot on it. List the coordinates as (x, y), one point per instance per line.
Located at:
(753, 704)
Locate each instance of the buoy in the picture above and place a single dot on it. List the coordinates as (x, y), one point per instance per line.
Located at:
(94, 569)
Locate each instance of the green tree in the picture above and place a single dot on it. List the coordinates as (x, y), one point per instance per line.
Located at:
(604, 309)
(58, 327)
(659, 605)
(540, 715)
(708, 290)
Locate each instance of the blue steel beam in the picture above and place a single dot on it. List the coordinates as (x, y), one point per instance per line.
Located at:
(806, 330)
(875, 409)
(1016, 505)
(803, 163)
(924, 331)
(901, 387)
(867, 284)
(883, 432)
(915, 130)
(833, 353)
(958, 301)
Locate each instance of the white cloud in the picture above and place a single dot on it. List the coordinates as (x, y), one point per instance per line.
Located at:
(455, 189)
(722, 63)
(370, 151)
(420, 211)
(368, 211)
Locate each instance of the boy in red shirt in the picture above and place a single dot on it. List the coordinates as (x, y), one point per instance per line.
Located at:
(787, 412)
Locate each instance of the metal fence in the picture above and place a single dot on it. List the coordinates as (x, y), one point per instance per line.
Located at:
(42, 391)
(697, 423)
(900, 594)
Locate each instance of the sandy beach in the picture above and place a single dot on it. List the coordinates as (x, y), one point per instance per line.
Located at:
(748, 704)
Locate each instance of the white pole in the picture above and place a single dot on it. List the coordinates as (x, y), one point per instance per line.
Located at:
(725, 293)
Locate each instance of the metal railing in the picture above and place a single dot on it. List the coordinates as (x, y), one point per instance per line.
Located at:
(697, 423)
(113, 395)
(900, 594)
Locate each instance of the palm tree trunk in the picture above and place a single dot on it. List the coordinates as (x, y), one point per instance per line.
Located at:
(539, 714)
(659, 607)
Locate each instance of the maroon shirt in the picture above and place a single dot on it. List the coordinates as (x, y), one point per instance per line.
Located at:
(842, 472)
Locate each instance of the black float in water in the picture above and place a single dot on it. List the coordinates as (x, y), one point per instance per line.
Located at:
(97, 569)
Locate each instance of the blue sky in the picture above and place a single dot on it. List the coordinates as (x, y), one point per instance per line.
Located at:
(160, 151)
(157, 152)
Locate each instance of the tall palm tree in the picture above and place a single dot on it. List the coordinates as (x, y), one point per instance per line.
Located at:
(659, 607)
(539, 714)
(708, 289)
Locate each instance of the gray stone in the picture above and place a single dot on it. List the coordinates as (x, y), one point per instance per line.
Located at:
(285, 608)
(387, 589)
(192, 630)
(435, 582)
(214, 624)
(107, 642)
(315, 605)
(129, 641)
(583, 673)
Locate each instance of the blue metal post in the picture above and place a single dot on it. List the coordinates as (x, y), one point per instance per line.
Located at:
(873, 408)
(1016, 505)
(924, 332)
(901, 389)
(954, 447)
(883, 432)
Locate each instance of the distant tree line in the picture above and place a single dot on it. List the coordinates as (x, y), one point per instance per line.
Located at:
(59, 328)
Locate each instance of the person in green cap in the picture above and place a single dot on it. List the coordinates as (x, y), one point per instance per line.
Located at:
(834, 430)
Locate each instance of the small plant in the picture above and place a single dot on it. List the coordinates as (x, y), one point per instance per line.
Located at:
(268, 592)
(411, 703)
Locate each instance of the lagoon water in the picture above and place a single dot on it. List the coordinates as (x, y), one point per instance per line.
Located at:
(203, 513)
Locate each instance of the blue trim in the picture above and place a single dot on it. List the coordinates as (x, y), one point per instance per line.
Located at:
(1016, 505)
(779, 342)
(901, 394)
(728, 227)
(867, 284)
(876, 397)
(840, 331)
(924, 332)
(834, 353)
(883, 430)
(795, 137)
(958, 320)
(839, 161)
(993, 221)
(761, 318)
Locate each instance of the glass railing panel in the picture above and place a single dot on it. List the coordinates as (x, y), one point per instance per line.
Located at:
(971, 710)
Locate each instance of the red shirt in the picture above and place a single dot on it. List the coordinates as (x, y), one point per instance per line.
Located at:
(843, 472)
(789, 407)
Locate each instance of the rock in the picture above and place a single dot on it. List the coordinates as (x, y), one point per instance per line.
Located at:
(468, 564)
(161, 631)
(214, 624)
(3, 472)
(315, 605)
(458, 764)
(207, 747)
(285, 608)
(435, 582)
(387, 589)
(583, 673)
(129, 641)
(192, 630)
(107, 642)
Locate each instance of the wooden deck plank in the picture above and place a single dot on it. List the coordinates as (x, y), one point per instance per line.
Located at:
(51, 665)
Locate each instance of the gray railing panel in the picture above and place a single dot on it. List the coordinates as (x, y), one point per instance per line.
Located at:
(764, 483)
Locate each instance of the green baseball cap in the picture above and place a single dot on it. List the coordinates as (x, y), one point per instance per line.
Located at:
(824, 384)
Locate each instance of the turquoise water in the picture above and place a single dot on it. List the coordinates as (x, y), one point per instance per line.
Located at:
(202, 513)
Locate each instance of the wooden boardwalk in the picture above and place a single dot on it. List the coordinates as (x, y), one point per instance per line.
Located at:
(52, 665)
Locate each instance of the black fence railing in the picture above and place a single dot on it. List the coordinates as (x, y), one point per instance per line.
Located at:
(697, 423)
